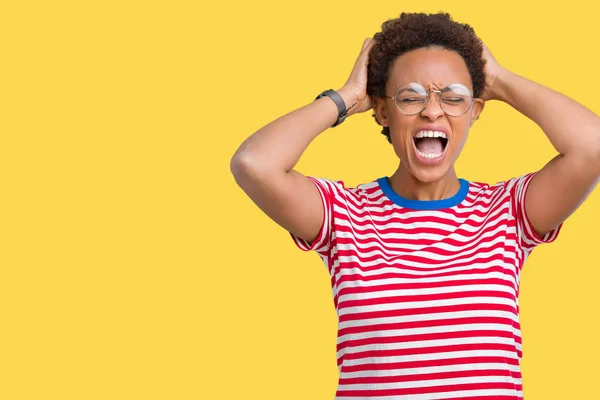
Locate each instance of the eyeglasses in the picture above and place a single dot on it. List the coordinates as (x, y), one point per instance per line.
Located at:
(411, 98)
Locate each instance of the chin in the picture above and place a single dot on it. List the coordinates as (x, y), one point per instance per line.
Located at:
(429, 174)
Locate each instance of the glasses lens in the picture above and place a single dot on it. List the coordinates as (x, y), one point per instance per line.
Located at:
(456, 99)
(410, 98)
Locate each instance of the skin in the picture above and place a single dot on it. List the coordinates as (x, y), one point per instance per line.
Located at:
(263, 165)
(567, 180)
(434, 68)
(557, 189)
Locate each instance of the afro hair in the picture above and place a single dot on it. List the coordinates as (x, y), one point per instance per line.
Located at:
(412, 31)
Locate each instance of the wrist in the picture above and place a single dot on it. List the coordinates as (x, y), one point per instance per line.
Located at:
(502, 84)
(349, 98)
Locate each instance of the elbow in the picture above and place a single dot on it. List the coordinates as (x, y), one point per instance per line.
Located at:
(240, 164)
(244, 167)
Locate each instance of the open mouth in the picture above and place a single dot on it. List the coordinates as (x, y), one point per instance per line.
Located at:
(430, 144)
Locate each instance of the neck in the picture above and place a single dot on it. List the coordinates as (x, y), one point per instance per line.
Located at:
(406, 185)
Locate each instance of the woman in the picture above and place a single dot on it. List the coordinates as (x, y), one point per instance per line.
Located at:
(425, 266)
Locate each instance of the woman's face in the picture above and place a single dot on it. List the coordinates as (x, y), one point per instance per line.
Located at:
(434, 68)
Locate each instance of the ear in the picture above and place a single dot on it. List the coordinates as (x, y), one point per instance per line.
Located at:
(380, 110)
(478, 106)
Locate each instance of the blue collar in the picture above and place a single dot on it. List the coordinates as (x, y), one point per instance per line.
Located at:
(424, 204)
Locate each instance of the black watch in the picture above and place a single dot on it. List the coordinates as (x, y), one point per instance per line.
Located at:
(339, 102)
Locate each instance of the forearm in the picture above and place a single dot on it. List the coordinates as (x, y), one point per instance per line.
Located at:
(277, 146)
(570, 127)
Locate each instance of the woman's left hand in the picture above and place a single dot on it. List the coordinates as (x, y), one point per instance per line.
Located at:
(492, 70)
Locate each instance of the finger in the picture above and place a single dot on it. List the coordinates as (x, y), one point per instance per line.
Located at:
(366, 41)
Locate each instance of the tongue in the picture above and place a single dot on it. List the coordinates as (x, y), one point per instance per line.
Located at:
(430, 145)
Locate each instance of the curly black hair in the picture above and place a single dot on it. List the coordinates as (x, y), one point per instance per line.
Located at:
(412, 31)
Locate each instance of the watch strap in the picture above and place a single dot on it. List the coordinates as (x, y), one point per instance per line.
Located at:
(339, 102)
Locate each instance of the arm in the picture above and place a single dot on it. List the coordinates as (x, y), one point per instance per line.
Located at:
(560, 187)
(263, 164)
(263, 167)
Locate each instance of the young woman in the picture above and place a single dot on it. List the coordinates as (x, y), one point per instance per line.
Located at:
(425, 266)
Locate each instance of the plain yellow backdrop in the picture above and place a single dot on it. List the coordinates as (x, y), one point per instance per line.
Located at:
(131, 264)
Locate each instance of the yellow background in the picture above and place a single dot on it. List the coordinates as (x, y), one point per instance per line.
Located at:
(133, 267)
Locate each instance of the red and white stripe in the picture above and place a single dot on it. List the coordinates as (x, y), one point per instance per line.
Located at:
(427, 300)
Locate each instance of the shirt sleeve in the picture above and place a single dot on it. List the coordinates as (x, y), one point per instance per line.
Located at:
(527, 237)
(330, 191)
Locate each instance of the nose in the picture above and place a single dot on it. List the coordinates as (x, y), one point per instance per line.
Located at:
(433, 109)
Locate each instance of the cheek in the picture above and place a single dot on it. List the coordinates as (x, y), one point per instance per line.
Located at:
(460, 130)
(401, 142)
(401, 127)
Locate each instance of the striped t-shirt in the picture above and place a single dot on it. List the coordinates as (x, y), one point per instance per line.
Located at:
(426, 292)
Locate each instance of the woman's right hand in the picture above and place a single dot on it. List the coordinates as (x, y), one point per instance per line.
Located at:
(263, 166)
(355, 88)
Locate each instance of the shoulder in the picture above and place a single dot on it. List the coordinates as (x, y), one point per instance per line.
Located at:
(509, 193)
(515, 186)
(504, 185)
(338, 188)
(498, 190)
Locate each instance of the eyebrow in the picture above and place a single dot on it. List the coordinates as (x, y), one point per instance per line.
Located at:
(444, 87)
(414, 91)
(409, 89)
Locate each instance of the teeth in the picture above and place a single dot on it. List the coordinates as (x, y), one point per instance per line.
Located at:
(431, 134)
(429, 155)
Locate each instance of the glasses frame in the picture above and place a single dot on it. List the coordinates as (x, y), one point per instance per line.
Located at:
(427, 96)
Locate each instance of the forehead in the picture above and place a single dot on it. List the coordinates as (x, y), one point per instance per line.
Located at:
(430, 67)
